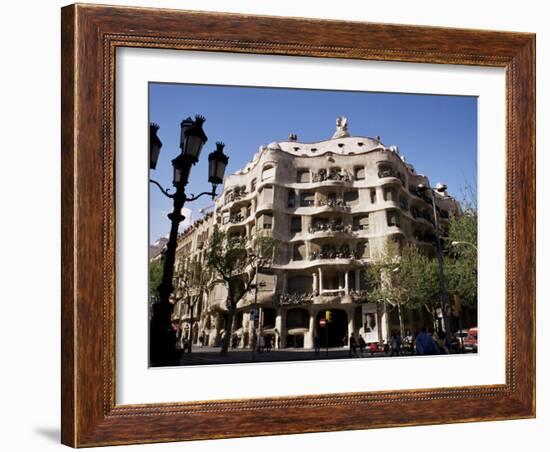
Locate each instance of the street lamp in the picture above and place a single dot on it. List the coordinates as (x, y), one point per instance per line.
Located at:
(217, 162)
(456, 243)
(443, 296)
(192, 140)
(154, 145)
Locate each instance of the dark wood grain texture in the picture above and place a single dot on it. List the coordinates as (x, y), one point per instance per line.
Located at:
(90, 36)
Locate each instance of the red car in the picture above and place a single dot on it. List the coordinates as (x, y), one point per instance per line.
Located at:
(375, 347)
(470, 341)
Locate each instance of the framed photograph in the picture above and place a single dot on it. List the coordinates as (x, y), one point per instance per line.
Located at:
(282, 225)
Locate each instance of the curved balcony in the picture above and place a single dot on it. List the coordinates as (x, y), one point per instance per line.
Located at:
(334, 256)
(236, 199)
(419, 195)
(296, 299)
(315, 209)
(239, 220)
(322, 234)
(422, 216)
(332, 177)
(333, 206)
(388, 175)
(329, 229)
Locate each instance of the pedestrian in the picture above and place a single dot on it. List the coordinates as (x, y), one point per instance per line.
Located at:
(441, 343)
(408, 342)
(362, 344)
(353, 346)
(201, 340)
(317, 343)
(395, 344)
(268, 344)
(261, 343)
(425, 344)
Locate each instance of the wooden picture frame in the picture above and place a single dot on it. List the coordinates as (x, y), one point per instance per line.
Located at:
(90, 36)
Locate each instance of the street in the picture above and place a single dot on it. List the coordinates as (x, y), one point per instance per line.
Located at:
(209, 355)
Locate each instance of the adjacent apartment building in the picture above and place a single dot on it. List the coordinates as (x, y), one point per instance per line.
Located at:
(332, 205)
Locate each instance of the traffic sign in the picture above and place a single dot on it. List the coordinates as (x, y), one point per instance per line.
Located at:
(322, 322)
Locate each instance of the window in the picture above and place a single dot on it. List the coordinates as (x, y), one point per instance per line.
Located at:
(298, 252)
(373, 196)
(267, 221)
(296, 225)
(390, 194)
(291, 199)
(386, 171)
(363, 251)
(300, 284)
(253, 185)
(351, 197)
(268, 172)
(303, 176)
(393, 218)
(359, 173)
(267, 194)
(361, 223)
(403, 203)
(307, 199)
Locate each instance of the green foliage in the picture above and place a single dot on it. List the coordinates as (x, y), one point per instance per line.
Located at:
(461, 259)
(237, 257)
(155, 277)
(411, 279)
(406, 279)
(233, 262)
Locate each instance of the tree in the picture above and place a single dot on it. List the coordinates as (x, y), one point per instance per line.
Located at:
(155, 278)
(461, 262)
(402, 279)
(233, 262)
(191, 281)
(406, 279)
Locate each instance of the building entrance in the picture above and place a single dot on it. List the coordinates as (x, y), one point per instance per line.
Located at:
(336, 331)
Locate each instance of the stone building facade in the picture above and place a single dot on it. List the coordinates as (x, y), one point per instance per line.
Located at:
(331, 205)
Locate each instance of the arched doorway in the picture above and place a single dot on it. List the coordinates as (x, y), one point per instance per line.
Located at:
(335, 331)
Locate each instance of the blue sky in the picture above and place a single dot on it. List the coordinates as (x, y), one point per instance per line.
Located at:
(437, 134)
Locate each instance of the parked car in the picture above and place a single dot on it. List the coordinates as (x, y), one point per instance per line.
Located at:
(470, 341)
(376, 348)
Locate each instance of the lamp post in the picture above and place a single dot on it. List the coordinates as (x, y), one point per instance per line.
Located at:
(192, 140)
(443, 296)
(255, 287)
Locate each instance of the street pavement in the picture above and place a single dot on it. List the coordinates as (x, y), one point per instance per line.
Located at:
(208, 355)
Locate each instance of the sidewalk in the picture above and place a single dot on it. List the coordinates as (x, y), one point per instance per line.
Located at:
(209, 355)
